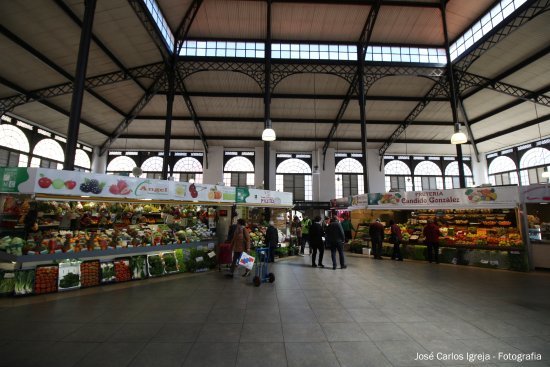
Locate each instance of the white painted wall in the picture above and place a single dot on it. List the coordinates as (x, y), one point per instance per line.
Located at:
(376, 178)
(259, 167)
(480, 170)
(99, 163)
(325, 188)
(214, 173)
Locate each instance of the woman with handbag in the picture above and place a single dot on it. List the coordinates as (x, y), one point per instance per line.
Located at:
(395, 239)
(240, 242)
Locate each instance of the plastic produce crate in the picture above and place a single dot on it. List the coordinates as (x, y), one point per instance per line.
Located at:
(89, 273)
(45, 280)
(69, 275)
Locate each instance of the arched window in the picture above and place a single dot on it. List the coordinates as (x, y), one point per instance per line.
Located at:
(532, 164)
(502, 171)
(397, 176)
(17, 143)
(48, 154)
(152, 168)
(427, 176)
(452, 180)
(188, 168)
(238, 171)
(349, 178)
(82, 160)
(122, 164)
(294, 175)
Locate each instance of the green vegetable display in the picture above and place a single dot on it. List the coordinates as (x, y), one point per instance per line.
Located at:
(69, 281)
(7, 283)
(156, 267)
(107, 272)
(24, 282)
(170, 263)
(139, 267)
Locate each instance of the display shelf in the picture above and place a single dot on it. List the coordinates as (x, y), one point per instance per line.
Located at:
(98, 253)
(467, 247)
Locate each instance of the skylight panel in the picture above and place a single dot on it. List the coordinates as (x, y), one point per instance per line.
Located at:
(161, 23)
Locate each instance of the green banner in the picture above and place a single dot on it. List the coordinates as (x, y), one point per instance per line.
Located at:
(11, 177)
(242, 194)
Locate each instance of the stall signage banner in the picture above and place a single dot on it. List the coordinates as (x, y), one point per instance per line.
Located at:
(343, 203)
(470, 197)
(11, 177)
(359, 201)
(535, 193)
(203, 192)
(263, 197)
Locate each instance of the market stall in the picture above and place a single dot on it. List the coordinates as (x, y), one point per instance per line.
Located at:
(480, 226)
(536, 199)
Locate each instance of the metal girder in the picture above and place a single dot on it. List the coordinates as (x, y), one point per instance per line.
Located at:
(97, 41)
(187, 99)
(469, 80)
(135, 111)
(280, 71)
(409, 4)
(255, 69)
(31, 97)
(181, 33)
(527, 12)
(150, 26)
(146, 71)
(378, 71)
(437, 90)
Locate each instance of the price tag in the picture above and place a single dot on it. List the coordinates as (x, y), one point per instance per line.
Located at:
(211, 245)
(199, 259)
(211, 254)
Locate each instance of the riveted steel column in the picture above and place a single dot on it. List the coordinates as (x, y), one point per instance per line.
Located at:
(168, 127)
(79, 80)
(267, 99)
(362, 114)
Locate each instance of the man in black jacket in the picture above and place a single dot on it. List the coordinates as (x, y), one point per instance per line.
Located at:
(316, 234)
(271, 240)
(335, 239)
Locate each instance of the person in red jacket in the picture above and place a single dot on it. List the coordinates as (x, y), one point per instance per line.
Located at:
(432, 233)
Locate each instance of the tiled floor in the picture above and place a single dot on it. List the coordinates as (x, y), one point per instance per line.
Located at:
(375, 313)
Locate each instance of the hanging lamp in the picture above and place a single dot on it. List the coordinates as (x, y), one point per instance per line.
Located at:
(458, 137)
(268, 134)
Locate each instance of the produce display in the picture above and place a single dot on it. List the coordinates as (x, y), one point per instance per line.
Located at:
(7, 283)
(24, 282)
(170, 262)
(69, 274)
(123, 273)
(89, 273)
(107, 272)
(155, 265)
(45, 279)
(12, 245)
(139, 267)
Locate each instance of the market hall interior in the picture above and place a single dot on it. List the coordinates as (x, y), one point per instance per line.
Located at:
(374, 313)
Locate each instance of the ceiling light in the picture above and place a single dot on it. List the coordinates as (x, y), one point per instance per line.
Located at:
(191, 180)
(269, 134)
(458, 137)
(546, 174)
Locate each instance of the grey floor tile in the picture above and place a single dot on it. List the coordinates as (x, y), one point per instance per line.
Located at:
(261, 354)
(133, 333)
(368, 315)
(491, 346)
(530, 345)
(359, 354)
(530, 325)
(111, 354)
(383, 331)
(258, 315)
(499, 328)
(162, 355)
(212, 355)
(344, 331)
(190, 316)
(24, 354)
(402, 315)
(294, 315)
(261, 332)
(218, 332)
(96, 332)
(178, 332)
(65, 353)
(423, 330)
(310, 354)
(226, 315)
(41, 331)
(333, 315)
(404, 353)
(310, 332)
(324, 302)
(463, 330)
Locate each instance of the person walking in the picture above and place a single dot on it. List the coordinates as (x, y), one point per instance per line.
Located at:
(395, 239)
(296, 230)
(376, 232)
(239, 243)
(306, 223)
(271, 240)
(431, 234)
(348, 227)
(316, 234)
(335, 239)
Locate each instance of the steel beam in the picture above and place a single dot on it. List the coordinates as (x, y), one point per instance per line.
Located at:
(181, 32)
(408, 4)
(151, 27)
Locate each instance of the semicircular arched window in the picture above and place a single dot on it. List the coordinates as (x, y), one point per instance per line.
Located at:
(16, 141)
(397, 176)
(82, 160)
(48, 154)
(349, 178)
(188, 168)
(452, 180)
(238, 171)
(502, 171)
(152, 168)
(294, 175)
(427, 176)
(122, 164)
(532, 164)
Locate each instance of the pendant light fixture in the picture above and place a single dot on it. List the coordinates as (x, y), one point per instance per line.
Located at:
(268, 134)
(458, 137)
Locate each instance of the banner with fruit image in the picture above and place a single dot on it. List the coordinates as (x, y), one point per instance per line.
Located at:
(263, 197)
(203, 192)
(489, 197)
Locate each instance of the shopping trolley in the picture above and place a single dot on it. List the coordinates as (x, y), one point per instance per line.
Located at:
(262, 271)
(225, 254)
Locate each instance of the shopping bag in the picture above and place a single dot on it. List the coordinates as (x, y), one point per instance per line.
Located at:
(247, 261)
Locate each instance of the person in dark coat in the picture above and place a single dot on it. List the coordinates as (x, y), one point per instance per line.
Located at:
(376, 232)
(335, 239)
(316, 234)
(395, 239)
(432, 233)
(271, 240)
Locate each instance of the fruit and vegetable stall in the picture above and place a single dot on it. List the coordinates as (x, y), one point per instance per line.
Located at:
(479, 226)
